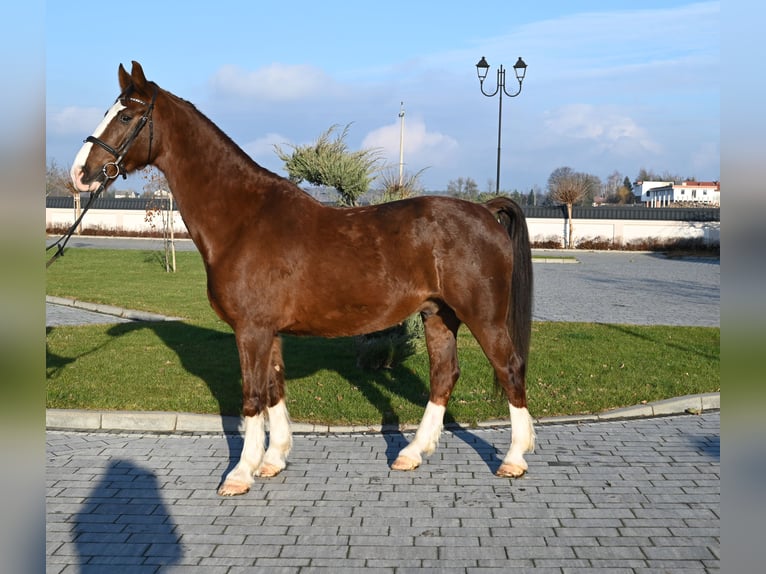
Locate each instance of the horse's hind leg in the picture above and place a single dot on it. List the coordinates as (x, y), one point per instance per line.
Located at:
(510, 371)
(441, 340)
(522, 441)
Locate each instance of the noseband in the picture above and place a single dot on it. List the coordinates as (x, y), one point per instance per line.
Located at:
(114, 168)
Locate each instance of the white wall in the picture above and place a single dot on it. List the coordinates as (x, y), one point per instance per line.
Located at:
(121, 219)
(540, 229)
(623, 231)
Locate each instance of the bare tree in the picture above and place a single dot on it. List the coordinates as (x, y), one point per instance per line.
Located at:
(57, 180)
(465, 188)
(161, 207)
(612, 186)
(569, 187)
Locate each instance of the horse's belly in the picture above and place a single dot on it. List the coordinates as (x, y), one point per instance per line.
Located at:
(353, 317)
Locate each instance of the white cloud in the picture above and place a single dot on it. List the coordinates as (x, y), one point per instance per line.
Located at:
(276, 82)
(264, 144)
(606, 128)
(262, 150)
(422, 148)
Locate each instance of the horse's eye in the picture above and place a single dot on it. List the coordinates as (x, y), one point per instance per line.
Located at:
(124, 118)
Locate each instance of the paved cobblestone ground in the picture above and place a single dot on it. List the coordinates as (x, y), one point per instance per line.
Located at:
(634, 496)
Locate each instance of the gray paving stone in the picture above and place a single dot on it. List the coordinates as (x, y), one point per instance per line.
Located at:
(123, 500)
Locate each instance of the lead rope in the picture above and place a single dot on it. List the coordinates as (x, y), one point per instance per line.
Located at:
(61, 242)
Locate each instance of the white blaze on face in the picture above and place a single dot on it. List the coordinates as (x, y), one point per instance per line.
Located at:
(82, 155)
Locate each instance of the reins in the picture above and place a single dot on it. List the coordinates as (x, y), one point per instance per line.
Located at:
(64, 239)
(110, 170)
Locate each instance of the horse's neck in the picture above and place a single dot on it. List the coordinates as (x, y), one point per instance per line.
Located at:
(215, 184)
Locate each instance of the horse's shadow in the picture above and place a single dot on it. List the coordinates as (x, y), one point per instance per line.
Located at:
(371, 383)
(54, 363)
(211, 355)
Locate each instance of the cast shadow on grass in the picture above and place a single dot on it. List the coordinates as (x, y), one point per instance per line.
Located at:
(679, 346)
(54, 363)
(211, 355)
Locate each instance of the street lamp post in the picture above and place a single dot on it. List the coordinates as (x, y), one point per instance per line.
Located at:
(482, 69)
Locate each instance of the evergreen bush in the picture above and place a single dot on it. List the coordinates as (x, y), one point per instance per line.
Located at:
(389, 347)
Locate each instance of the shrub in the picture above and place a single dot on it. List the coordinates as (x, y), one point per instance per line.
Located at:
(676, 247)
(389, 347)
(101, 231)
(599, 243)
(551, 242)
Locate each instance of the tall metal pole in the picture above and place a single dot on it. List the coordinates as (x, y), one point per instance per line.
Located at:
(401, 145)
(482, 68)
(500, 83)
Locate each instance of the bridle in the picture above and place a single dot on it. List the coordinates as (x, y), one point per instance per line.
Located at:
(112, 169)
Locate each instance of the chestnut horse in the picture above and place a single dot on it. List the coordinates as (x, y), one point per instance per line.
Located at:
(278, 261)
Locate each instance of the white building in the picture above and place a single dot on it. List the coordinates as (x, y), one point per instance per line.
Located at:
(665, 193)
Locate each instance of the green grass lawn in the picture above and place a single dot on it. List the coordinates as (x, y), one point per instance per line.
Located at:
(192, 365)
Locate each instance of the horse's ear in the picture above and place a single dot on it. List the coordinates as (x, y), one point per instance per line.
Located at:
(124, 78)
(137, 73)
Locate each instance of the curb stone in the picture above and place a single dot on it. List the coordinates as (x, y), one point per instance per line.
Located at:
(546, 259)
(169, 422)
(109, 309)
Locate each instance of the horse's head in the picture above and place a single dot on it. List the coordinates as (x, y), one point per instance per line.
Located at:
(122, 142)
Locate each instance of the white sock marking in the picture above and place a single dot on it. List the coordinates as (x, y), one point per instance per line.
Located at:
(428, 433)
(280, 436)
(252, 450)
(522, 436)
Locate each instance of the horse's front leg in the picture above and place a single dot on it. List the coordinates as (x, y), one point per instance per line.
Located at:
(441, 340)
(263, 392)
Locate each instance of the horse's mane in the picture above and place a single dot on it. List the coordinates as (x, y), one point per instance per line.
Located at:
(241, 154)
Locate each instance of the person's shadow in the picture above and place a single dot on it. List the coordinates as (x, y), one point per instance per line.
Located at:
(124, 524)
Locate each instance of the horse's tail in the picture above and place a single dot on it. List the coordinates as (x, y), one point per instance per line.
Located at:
(510, 215)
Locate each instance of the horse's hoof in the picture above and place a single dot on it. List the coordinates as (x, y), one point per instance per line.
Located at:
(233, 488)
(267, 470)
(509, 470)
(404, 463)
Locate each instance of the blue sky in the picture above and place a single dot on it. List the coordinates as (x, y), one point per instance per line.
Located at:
(610, 86)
